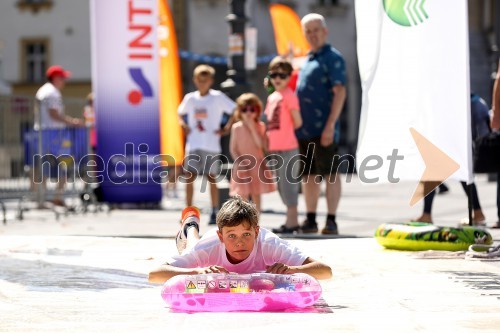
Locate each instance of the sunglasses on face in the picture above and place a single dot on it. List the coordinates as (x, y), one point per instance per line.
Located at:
(280, 75)
(249, 108)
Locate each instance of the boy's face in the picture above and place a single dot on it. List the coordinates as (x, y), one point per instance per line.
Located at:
(279, 79)
(239, 241)
(203, 83)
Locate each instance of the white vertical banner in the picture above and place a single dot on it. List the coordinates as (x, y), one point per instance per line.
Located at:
(125, 81)
(250, 48)
(414, 67)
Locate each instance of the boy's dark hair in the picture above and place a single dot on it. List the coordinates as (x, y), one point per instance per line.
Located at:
(236, 211)
(282, 63)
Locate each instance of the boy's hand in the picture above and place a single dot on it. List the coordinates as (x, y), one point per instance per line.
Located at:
(222, 131)
(279, 268)
(212, 269)
(76, 122)
(185, 129)
(266, 82)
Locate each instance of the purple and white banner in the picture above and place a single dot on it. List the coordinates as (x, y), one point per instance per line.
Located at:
(125, 83)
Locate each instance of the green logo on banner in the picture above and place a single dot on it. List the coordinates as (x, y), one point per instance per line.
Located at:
(406, 12)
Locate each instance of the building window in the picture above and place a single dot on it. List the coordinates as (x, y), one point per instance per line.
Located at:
(34, 5)
(328, 2)
(34, 59)
(330, 8)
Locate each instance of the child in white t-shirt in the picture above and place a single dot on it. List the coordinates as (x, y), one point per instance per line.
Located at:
(239, 245)
(200, 114)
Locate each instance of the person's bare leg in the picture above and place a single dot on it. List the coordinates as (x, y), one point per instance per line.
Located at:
(428, 188)
(214, 192)
(292, 220)
(177, 173)
(478, 216)
(333, 192)
(190, 189)
(311, 190)
(256, 201)
(58, 197)
(193, 236)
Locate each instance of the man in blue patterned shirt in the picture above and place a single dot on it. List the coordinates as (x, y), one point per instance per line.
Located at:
(321, 92)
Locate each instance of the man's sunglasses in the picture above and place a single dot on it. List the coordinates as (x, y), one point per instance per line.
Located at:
(249, 108)
(280, 75)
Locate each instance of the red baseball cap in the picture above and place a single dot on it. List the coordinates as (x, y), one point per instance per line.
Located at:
(56, 70)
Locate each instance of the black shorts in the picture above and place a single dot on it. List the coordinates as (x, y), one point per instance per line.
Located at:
(317, 159)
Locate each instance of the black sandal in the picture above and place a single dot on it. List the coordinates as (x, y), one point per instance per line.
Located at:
(283, 229)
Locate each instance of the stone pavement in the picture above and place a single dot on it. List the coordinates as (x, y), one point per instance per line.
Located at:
(362, 209)
(88, 273)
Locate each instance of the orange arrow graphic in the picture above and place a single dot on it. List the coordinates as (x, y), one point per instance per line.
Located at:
(438, 166)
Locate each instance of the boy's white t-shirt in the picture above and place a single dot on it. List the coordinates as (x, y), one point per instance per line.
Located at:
(268, 249)
(204, 116)
(49, 97)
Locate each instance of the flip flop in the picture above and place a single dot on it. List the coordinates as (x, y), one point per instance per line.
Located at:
(465, 222)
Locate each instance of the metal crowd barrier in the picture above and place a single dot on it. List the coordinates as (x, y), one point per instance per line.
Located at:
(33, 163)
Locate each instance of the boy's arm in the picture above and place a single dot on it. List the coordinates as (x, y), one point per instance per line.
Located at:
(184, 125)
(62, 118)
(310, 266)
(297, 118)
(227, 128)
(233, 147)
(294, 107)
(166, 271)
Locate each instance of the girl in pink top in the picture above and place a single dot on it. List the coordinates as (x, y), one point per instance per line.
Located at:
(250, 176)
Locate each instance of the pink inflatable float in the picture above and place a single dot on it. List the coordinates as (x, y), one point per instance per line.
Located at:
(240, 292)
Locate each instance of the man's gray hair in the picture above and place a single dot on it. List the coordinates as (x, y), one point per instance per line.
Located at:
(313, 17)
